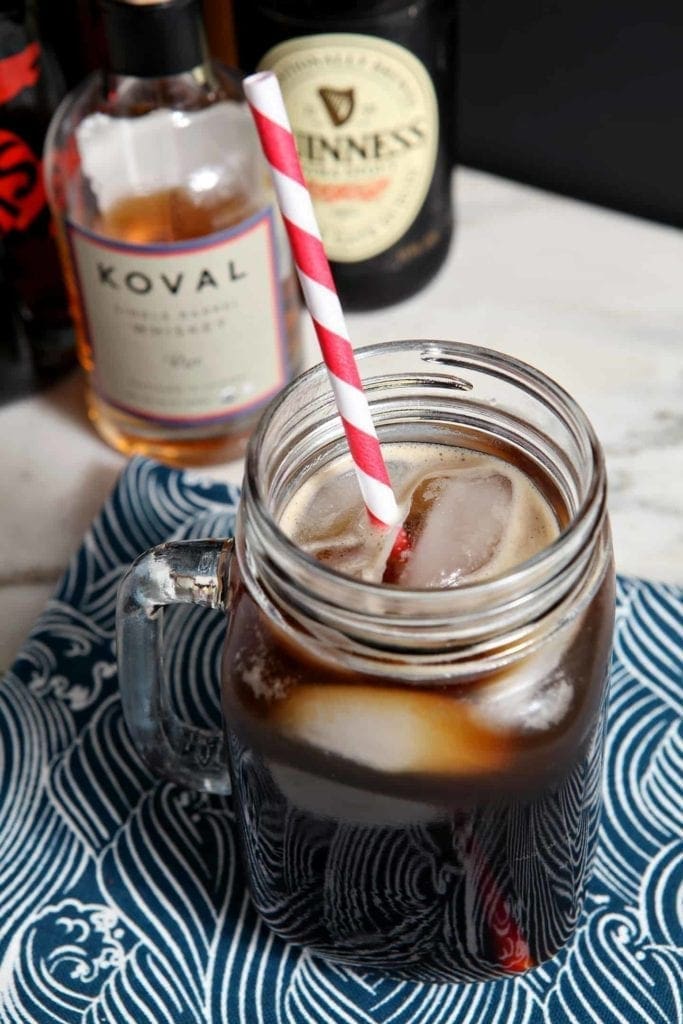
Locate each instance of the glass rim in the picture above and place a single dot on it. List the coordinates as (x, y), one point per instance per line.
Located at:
(459, 355)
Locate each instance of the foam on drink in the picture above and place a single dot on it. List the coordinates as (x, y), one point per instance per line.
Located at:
(469, 516)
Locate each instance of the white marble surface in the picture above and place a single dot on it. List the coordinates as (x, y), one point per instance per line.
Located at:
(592, 297)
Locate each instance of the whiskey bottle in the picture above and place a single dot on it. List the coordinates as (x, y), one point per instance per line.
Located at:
(369, 89)
(180, 279)
(37, 341)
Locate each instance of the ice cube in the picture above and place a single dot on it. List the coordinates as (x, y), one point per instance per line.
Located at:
(456, 524)
(325, 505)
(534, 692)
(391, 729)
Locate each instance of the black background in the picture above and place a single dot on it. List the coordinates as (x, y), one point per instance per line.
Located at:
(584, 98)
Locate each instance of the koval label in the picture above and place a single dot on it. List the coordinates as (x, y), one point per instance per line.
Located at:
(188, 331)
(365, 118)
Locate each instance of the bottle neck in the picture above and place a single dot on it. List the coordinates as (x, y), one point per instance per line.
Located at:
(153, 40)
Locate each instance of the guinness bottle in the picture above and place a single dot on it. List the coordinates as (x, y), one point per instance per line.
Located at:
(180, 279)
(369, 88)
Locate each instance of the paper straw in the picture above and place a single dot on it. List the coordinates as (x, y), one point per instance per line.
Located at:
(267, 106)
(272, 123)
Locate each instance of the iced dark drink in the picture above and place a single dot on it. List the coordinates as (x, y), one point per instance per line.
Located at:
(414, 739)
(429, 826)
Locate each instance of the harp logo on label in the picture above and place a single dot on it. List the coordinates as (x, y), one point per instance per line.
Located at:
(339, 104)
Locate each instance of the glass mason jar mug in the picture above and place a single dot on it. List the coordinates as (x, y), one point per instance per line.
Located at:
(416, 772)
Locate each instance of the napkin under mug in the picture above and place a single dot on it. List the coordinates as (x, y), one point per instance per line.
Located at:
(122, 897)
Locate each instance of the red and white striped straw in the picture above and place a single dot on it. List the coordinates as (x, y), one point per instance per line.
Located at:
(268, 109)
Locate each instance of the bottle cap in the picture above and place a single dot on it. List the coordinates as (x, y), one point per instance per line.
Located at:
(153, 39)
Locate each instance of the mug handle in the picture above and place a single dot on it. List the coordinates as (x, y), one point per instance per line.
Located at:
(180, 572)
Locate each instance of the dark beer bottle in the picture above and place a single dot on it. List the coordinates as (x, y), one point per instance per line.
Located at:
(369, 91)
(220, 31)
(38, 340)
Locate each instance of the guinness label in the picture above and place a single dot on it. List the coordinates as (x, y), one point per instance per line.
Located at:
(185, 332)
(365, 118)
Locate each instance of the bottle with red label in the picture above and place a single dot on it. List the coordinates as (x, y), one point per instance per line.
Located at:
(36, 341)
(180, 278)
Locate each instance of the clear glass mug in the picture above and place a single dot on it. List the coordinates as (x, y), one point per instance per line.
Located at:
(352, 845)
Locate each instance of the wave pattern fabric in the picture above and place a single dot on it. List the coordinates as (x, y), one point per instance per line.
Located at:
(122, 898)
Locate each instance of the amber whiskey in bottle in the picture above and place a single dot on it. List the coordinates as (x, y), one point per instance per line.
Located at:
(180, 278)
(369, 89)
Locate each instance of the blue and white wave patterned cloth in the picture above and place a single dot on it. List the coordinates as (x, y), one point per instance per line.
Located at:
(109, 907)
